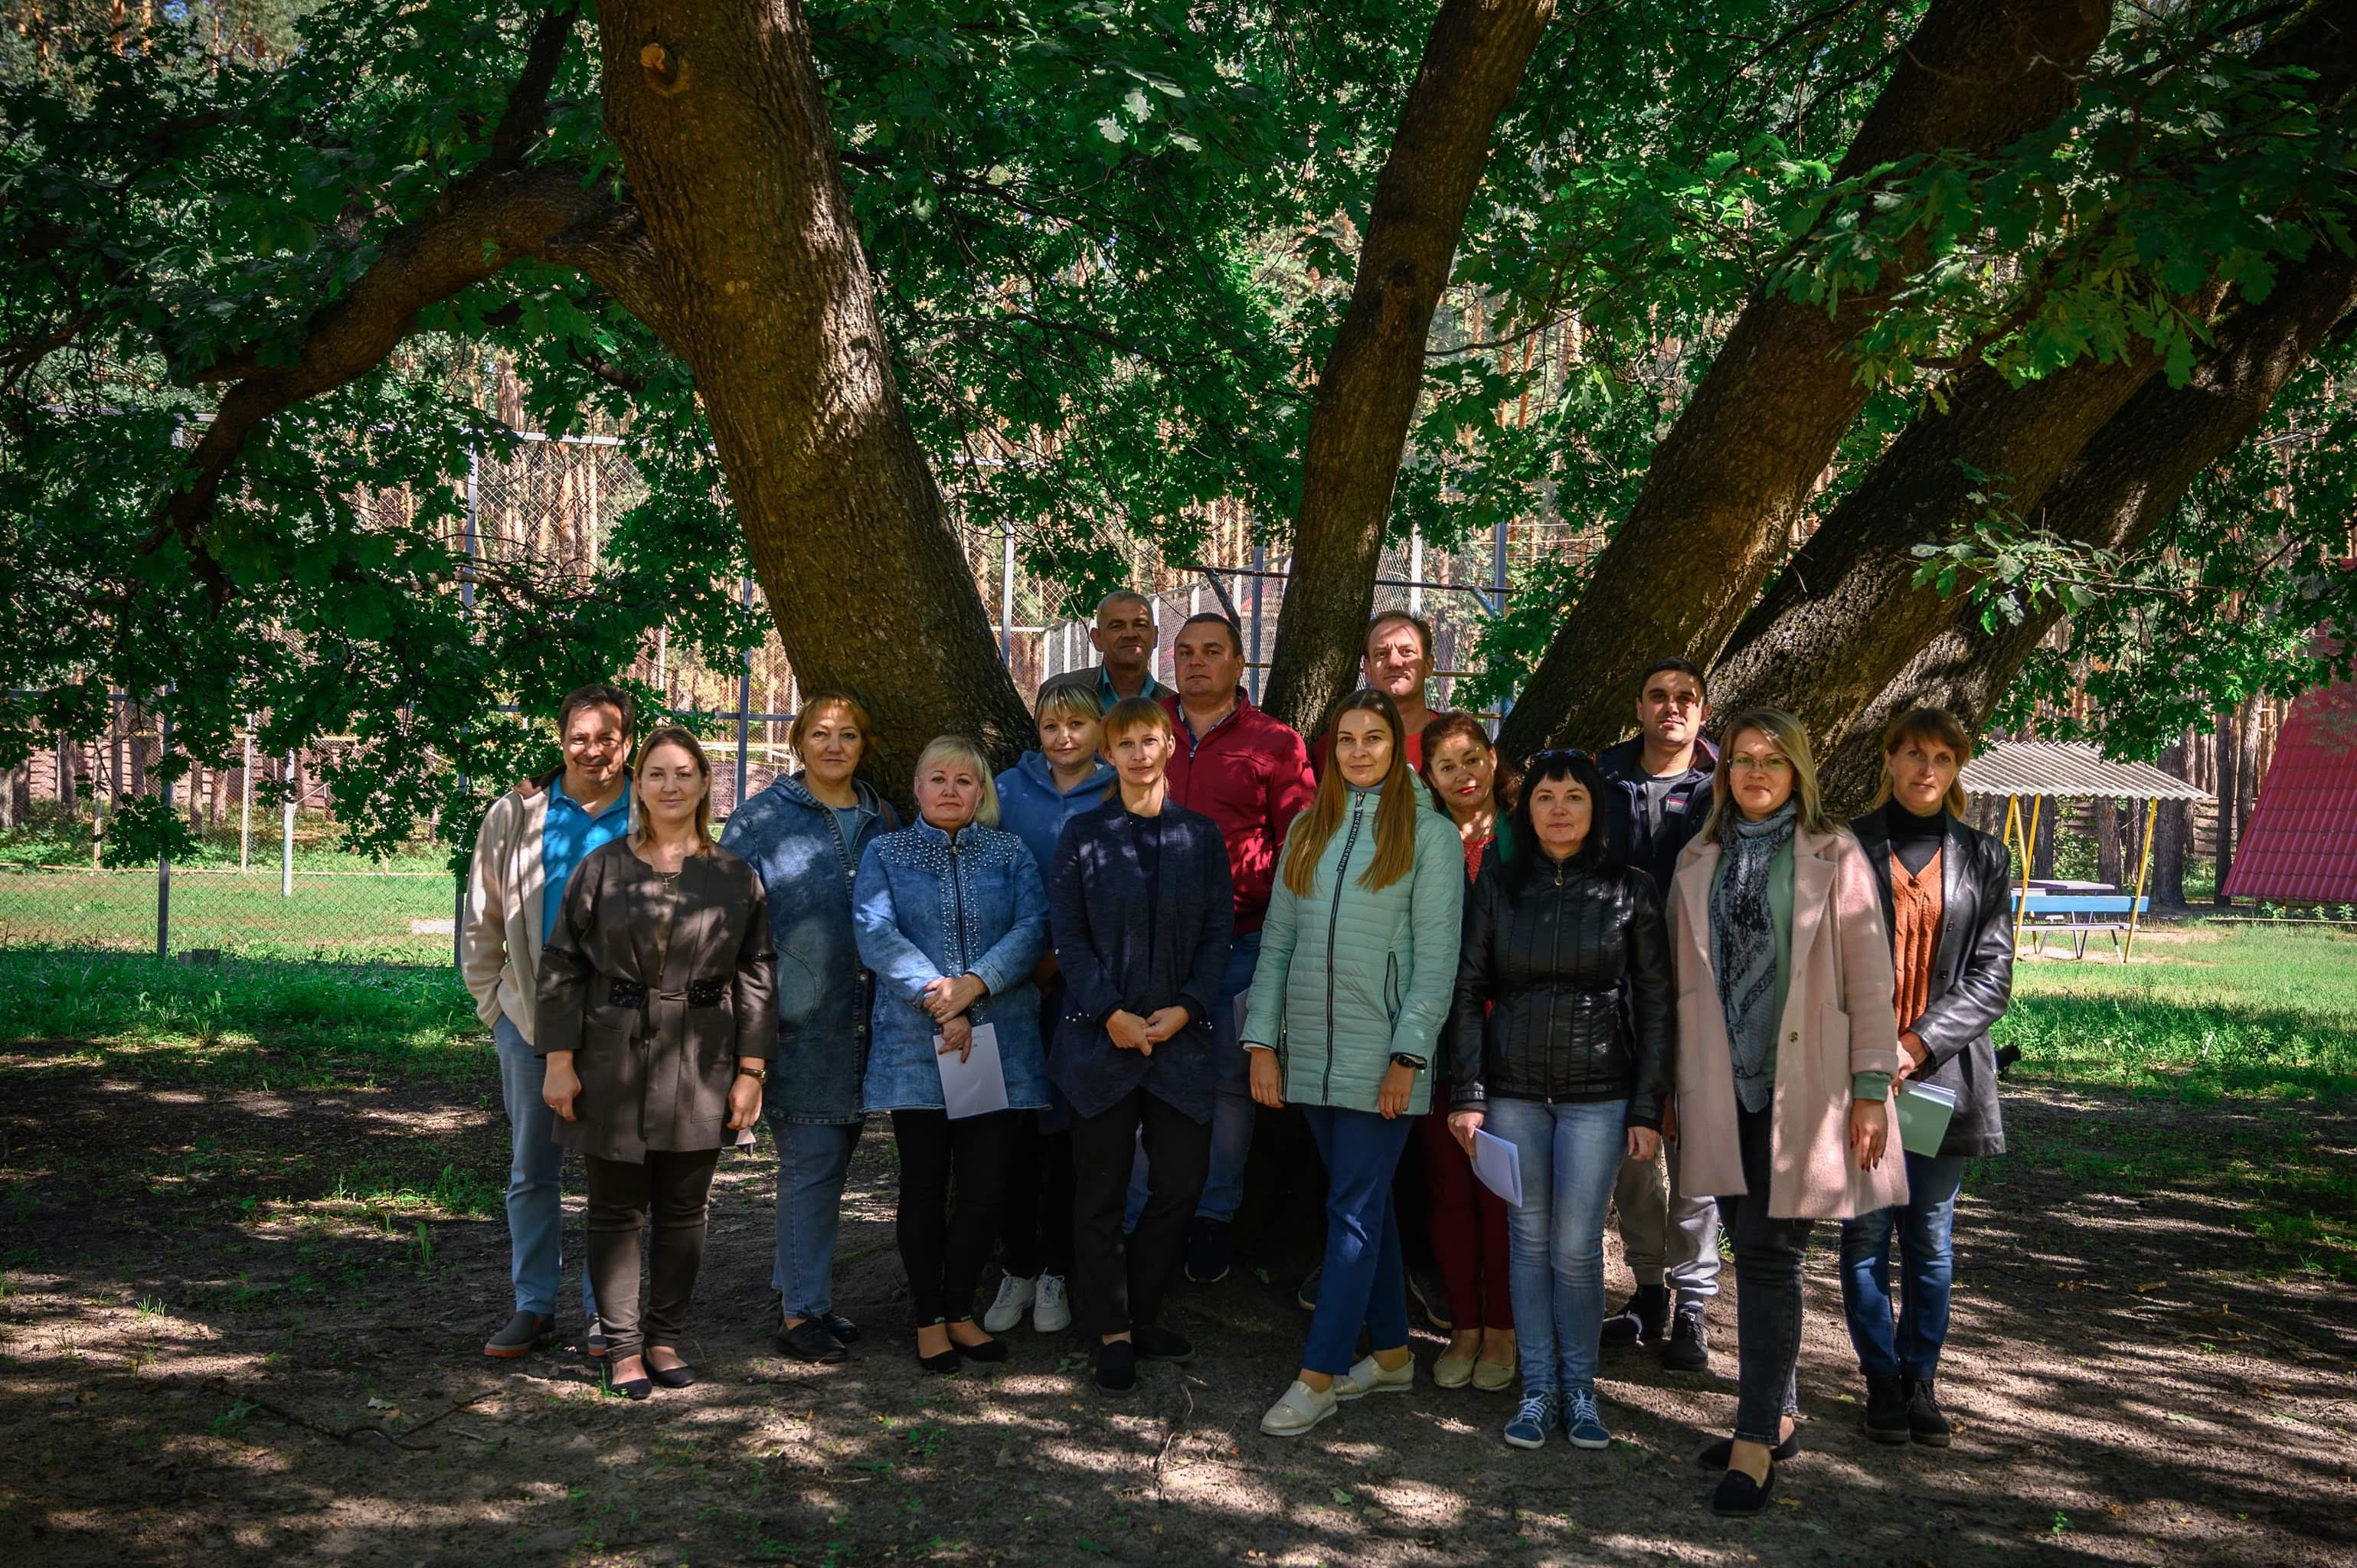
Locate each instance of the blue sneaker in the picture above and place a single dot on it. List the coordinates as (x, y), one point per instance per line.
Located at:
(1533, 1421)
(1584, 1422)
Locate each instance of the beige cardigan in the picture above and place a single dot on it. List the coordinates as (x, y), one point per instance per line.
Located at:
(1837, 1021)
(499, 947)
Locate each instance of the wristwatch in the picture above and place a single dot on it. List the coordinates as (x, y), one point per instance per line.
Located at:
(757, 1074)
(1413, 1064)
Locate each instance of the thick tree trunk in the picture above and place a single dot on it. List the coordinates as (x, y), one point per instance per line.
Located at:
(1367, 393)
(721, 120)
(2124, 485)
(2229, 747)
(2107, 842)
(1726, 484)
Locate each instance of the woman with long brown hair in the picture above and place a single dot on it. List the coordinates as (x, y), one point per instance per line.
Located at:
(1357, 963)
(658, 1016)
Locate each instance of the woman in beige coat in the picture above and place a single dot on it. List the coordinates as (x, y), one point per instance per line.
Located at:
(1787, 1046)
(658, 1016)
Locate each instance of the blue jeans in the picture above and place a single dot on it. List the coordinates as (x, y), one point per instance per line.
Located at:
(1363, 1284)
(814, 1158)
(535, 1180)
(1231, 1112)
(1570, 1155)
(1926, 1226)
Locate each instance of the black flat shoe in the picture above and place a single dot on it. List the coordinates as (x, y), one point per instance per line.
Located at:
(678, 1377)
(1117, 1368)
(810, 1340)
(842, 1327)
(1716, 1455)
(1155, 1343)
(630, 1388)
(1739, 1494)
(947, 1361)
(989, 1350)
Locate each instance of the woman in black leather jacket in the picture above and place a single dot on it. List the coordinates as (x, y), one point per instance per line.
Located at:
(1569, 952)
(1949, 911)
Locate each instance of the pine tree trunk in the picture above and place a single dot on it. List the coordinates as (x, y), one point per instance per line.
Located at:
(2229, 773)
(2107, 842)
(1374, 373)
(2171, 829)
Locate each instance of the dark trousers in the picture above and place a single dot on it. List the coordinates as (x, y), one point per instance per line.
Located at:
(1768, 1257)
(1035, 1232)
(1468, 1226)
(1122, 1284)
(670, 1188)
(943, 1250)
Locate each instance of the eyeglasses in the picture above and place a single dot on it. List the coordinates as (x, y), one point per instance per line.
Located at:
(1554, 753)
(1770, 763)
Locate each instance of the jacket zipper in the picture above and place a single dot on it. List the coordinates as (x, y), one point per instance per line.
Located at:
(957, 903)
(1333, 925)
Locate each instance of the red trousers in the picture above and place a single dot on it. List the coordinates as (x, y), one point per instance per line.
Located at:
(1468, 1226)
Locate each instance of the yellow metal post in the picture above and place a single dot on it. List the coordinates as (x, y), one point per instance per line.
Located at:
(2144, 868)
(2029, 838)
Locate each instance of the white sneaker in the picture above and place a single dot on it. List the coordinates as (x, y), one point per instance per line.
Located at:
(1051, 1313)
(1301, 1407)
(1014, 1295)
(1368, 1377)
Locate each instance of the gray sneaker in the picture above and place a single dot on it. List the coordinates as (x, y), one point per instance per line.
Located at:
(524, 1332)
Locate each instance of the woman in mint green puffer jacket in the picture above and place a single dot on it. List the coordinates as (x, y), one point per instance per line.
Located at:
(1357, 960)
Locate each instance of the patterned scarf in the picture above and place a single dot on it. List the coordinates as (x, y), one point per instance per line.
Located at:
(1743, 949)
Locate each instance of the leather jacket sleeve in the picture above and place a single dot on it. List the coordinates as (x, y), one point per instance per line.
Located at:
(1476, 958)
(1977, 995)
(1652, 1003)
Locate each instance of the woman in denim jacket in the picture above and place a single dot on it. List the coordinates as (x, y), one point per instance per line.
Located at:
(952, 918)
(803, 836)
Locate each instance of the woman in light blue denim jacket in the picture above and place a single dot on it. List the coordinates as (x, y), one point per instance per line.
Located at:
(803, 836)
(952, 918)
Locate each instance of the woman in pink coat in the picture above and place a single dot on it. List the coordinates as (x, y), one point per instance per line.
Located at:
(1787, 1045)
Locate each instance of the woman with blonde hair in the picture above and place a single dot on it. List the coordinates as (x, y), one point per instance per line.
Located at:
(953, 918)
(657, 1018)
(803, 836)
(1943, 887)
(1785, 1055)
(1357, 966)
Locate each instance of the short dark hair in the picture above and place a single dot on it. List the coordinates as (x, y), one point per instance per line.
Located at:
(1677, 666)
(1382, 618)
(597, 694)
(1220, 619)
(1519, 851)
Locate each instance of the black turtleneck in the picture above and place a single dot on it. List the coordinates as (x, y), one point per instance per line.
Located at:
(1915, 840)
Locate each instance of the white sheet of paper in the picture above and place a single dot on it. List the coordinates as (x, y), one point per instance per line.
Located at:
(978, 1085)
(1498, 1164)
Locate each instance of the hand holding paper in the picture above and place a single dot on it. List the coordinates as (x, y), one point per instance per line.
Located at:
(972, 1081)
(1499, 1167)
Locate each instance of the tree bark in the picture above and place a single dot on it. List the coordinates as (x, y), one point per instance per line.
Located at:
(721, 121)
(2107, 842)
(1367, 393)
(2228, 748)
(2123, 485)
(1728, 482)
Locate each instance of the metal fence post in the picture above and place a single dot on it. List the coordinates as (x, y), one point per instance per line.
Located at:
(1260, 567)
(246, 800)
(163, 854)
(744, 712)
(286, 836)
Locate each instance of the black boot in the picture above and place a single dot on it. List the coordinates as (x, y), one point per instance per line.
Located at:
(1886, 1409)
(1645, 1316)
(1924, 1422)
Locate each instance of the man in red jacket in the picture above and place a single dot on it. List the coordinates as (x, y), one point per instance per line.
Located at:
(1249, 774)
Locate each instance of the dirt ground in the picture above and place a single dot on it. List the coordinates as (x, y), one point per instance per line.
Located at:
(216, 1349)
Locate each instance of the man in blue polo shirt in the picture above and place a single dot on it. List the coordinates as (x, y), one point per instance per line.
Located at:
(525, 851)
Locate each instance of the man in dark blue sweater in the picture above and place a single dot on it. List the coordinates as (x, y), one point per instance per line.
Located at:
(1661, 789)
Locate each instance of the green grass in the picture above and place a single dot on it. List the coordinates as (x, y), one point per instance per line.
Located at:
(2238, 1012)
(243, 1023)
(343, 916)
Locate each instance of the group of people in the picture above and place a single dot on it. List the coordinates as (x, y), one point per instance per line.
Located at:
(1176, 913)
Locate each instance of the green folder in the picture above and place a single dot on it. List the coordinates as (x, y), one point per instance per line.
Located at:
(1924, 1110)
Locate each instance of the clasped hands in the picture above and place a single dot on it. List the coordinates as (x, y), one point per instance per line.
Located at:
(1129, 1032)
(946, 1000)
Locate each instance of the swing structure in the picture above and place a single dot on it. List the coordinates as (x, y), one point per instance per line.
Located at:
(2035, 772)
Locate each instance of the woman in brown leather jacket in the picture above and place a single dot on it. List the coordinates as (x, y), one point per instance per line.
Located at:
(657, 1016)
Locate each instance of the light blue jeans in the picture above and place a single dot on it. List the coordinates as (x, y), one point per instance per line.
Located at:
(1231, 1112)
(814, 1158)
(1570, 1155)
(535, 1180)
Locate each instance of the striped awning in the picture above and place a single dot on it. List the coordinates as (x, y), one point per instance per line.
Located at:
(2071, 771)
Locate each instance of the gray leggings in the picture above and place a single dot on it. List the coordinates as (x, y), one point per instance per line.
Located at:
(1768, 1256)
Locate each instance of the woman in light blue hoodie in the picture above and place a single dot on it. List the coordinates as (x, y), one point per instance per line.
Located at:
(1045, 790)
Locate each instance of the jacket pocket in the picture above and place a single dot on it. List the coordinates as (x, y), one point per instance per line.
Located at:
(1392, 995)
(797, 985)
(1833, 1027)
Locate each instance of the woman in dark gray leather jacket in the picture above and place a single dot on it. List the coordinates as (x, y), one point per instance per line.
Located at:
(1559, 1043)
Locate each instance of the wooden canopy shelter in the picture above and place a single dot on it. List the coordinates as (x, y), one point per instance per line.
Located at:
(2037, 771)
